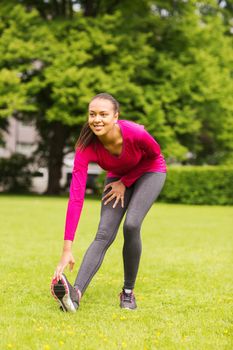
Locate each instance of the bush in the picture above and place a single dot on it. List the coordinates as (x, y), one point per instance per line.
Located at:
(15, 175)
(195, 185)
(199, 185)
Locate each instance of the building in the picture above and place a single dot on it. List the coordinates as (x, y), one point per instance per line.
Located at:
(23, 138)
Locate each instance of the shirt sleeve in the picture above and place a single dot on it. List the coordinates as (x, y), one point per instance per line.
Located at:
(150, 150)
(77, 193)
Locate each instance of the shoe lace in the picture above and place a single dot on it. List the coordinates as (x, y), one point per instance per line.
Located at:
(127, 297)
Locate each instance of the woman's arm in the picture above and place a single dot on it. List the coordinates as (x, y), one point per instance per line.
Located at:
(77, 192)
(66, 258)
(67, 246)
(74, 208)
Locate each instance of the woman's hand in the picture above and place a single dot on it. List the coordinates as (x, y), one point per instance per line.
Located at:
(66, 258)
(117, 192)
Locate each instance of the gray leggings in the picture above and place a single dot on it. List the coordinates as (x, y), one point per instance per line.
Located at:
(137, 201)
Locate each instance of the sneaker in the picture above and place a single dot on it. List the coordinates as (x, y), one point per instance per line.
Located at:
(127, 300)
(65, 294)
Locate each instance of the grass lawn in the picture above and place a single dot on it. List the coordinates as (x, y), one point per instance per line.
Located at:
(184, 288)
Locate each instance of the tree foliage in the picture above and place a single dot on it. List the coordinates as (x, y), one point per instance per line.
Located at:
(169, 63)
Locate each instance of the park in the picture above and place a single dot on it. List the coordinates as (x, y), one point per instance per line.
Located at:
(167, 66)
(184, 285)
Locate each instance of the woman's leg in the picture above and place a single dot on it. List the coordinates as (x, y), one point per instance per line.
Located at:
(145, 191)
(109, 223)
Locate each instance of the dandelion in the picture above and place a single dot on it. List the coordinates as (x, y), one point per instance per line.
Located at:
(122, 318)
(10, 346)
(61, 342)
(158, 333)
(47, 347)
(124, 345)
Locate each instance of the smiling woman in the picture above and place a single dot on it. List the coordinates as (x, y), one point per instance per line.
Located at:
(103, 114)
(103, 123)
(136, 173)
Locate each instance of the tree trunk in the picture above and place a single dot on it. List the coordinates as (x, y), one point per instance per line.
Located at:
(88, 6)
(55, 158)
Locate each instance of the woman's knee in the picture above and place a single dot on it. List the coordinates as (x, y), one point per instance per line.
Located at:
(131, 227)
(104, 235)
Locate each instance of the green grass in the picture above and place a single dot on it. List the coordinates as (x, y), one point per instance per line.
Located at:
(184, 288)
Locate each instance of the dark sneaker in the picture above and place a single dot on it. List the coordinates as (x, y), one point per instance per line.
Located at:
(127, 300)
(65, 294)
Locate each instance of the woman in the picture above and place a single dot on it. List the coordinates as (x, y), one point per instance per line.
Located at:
(136, 175)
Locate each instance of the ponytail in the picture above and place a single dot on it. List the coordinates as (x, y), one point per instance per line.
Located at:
(85, 138)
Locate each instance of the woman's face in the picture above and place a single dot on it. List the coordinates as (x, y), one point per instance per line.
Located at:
(102, 116)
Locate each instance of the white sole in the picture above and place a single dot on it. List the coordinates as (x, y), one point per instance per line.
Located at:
(60, 292)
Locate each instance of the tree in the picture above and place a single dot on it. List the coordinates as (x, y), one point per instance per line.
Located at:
(59, 76)
(186, 55)
(192, 72)
(169, 66)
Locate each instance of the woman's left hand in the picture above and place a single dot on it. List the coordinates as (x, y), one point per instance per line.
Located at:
(117, 192)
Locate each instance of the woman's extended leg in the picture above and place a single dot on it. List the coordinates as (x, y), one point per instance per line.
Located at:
(109, 223)
(145, 191)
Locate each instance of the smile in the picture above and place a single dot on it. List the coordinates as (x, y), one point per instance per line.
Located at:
(98, 126)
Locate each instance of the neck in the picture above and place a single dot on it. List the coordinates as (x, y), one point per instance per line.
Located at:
(111, 137)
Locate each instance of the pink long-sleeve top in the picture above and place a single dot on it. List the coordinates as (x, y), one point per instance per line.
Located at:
(140, 154)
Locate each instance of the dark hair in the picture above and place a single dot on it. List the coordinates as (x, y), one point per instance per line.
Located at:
(86, 135)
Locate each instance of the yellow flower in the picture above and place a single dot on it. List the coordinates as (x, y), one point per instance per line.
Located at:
(122, 318)
(46, 347)
(61, 342)
(124, 345)
(10, 346)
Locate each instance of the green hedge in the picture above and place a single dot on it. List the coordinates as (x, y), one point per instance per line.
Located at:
(195, 185)
(15, 175)
(199, 185)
